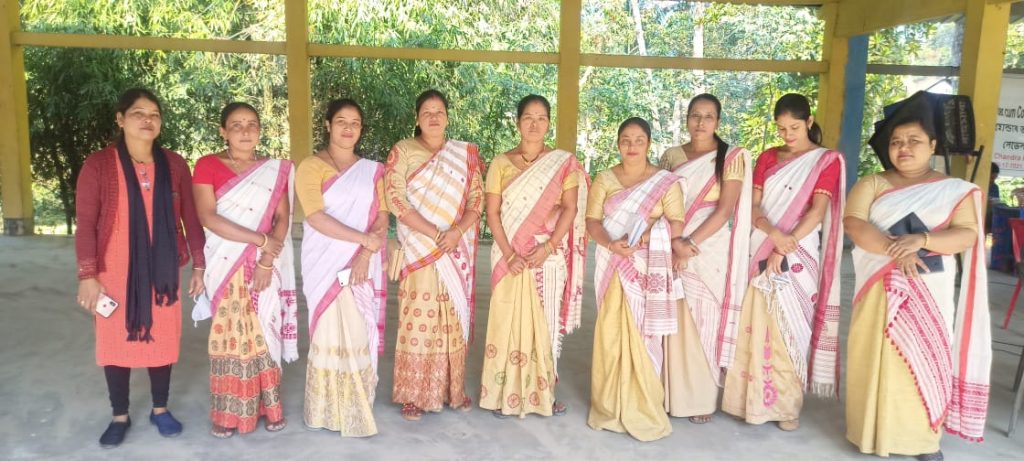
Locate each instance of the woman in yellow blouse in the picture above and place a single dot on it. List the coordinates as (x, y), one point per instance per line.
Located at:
(919, 353)
(535, 202)
(635, 215)
(343, 276)
(434, 187)
(717, 186)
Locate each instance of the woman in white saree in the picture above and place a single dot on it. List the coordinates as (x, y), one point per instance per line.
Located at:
(716, 182)
(343, 276)
(244, 202)
(919, 353)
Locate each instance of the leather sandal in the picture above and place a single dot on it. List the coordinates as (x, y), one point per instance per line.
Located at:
(276, 426)
(411, 412)
(466, 406)
(221, 432)
(700, 419)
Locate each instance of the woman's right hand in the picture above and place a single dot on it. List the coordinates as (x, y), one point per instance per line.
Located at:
(517, 265)
(774, 265)
(89, 291)
(372, 241)
(621, 247)
(783, 242)
(273, 246)
(909, 265)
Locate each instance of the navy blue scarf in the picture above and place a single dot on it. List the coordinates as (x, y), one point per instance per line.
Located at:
(152, 263)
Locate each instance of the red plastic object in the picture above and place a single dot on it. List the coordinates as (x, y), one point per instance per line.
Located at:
(1017, 229)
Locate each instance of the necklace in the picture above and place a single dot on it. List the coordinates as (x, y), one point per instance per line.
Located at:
(334, 163)
(140, 168)
(231, 158)
(145, 182)
(522, 155)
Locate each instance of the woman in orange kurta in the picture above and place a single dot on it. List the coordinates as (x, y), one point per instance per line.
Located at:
(131, 201)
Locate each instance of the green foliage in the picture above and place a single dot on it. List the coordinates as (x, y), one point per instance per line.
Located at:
(925, 43)
(1015, 46)
(72, 91)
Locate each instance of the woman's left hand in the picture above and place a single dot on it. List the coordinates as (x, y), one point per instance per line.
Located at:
(679, 262)
(449, 240)
(360, 269)
(537, 256)
(261, 277)
(905, 245)
(195, 284)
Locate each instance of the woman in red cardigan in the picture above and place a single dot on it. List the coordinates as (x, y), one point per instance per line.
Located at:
(131, 201)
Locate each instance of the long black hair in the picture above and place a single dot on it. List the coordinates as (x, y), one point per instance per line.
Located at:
(423, 98)
(723, 147)
(798, 107)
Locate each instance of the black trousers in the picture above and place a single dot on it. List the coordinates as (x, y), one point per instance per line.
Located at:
(118, 385)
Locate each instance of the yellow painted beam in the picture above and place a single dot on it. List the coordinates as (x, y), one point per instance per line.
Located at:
(15, 156)
(779, 2)
(981, 73)
(428, 54)
(147, 43)
(713, 64)
(864, 16)
(832, 84)
(300, 97)
(568, 98)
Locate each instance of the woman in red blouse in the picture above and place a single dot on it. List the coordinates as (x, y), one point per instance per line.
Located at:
(132, 199)
(788, 335)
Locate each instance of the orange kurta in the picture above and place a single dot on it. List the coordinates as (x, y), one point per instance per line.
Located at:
(112, 346)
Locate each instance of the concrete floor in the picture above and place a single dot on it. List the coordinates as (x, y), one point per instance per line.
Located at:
(54, 402)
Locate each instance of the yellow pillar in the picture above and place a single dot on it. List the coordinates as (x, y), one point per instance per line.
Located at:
(300, 115)
(981, 73)
(568, 75)
(15, 156)
(831, 84)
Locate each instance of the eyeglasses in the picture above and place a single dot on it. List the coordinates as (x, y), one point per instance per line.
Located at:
(698, 117)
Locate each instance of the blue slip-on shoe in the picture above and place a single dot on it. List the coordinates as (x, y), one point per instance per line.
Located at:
(166, 424)
(114, 435)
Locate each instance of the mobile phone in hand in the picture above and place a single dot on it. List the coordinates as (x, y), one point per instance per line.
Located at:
(105, 306)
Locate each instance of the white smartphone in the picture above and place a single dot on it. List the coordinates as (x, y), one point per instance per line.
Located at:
(105, 306)
(344, 276)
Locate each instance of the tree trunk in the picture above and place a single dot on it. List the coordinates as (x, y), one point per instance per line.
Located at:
(698, 44)
(641, 43)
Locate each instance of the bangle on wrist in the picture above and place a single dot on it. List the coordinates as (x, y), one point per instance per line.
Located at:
(549, 247)
(265, 241)
(927, 240)
(199, 268)
(438, 235)
(510, 258)
(261, 266)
